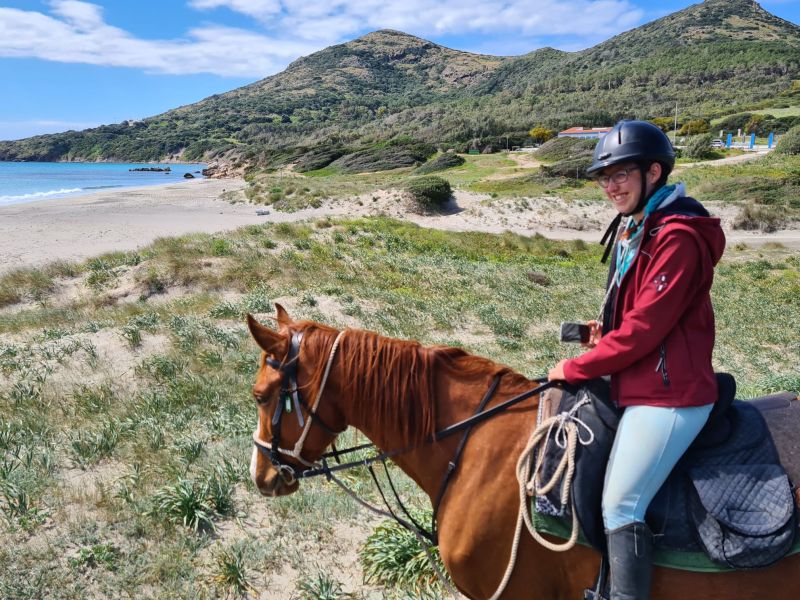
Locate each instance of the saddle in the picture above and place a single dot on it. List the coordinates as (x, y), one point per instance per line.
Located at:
(728, 499)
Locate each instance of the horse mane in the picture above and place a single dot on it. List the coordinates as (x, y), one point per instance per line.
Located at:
(392, 380)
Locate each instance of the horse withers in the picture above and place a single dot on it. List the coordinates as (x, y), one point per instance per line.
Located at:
(399, 393)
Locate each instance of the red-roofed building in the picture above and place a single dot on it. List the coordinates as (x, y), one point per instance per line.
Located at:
(584, 132)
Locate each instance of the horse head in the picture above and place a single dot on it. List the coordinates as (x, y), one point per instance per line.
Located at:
(294, 427)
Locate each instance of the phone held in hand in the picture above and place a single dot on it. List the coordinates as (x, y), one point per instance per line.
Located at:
(575, 332)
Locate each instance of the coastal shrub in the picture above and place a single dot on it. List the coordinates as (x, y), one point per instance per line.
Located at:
(790, 142)
(564, 148)
(699, 147)
(440, 163)
(757, 217)
(318, 158)
(429, 192)
(571, 168)
(384, 158)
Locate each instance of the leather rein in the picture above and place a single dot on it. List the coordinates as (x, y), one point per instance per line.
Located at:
(290, 400)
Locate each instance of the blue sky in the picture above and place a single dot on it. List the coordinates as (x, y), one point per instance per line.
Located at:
(72, 64)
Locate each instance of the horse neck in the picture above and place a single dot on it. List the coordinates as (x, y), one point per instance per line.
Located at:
(456, 396)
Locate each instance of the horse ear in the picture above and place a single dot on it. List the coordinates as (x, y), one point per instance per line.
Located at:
(269, 341)
(283, 317)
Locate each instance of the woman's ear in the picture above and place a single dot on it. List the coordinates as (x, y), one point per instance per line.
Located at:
(654, 172)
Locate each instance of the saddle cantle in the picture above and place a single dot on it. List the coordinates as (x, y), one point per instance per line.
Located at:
(728, 499)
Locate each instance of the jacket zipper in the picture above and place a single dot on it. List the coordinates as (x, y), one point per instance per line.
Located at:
(661, 367)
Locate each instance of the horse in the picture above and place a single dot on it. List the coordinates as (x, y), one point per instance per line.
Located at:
(398, 394)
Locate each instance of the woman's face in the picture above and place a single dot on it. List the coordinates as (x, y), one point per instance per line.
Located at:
(622, 184)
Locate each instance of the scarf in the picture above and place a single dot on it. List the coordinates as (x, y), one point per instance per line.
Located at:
(631, 238)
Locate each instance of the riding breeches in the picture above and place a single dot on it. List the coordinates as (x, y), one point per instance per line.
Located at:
(650, 440)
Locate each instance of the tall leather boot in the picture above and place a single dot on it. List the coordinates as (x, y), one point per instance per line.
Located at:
(630, 557)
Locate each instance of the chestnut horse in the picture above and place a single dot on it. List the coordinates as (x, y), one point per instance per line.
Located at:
(398, 393)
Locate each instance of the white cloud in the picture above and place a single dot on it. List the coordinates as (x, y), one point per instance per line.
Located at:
(76, 31)
(81, 36)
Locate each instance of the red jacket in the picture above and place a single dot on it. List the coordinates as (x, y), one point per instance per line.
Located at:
(659, 353)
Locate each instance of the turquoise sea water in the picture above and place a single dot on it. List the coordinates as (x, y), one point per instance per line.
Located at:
(30, 181)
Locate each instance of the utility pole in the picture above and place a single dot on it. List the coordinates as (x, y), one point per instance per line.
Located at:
(675, 130)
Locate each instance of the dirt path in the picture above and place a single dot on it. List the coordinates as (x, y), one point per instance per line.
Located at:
(728, 160)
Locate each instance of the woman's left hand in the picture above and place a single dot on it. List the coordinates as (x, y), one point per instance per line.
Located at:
(557, 372)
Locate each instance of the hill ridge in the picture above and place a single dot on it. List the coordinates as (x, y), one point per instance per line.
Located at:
(712, 57)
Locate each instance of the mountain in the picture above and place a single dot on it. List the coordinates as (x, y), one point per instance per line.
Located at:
(387, 87)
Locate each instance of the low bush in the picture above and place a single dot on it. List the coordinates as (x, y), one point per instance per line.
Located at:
(699, 147)
(441, 163)
(384, 158)
(429, 192)
(393, 556)
(318, 158)
(564, 148)
(571, 168)
(790, 142)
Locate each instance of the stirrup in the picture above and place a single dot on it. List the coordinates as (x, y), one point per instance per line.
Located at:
(600, 589)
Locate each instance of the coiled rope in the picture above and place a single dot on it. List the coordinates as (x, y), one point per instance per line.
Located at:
(566, 437)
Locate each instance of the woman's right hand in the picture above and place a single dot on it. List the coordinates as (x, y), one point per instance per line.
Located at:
(595, 334)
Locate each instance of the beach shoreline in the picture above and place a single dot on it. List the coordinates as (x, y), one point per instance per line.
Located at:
(72, 229)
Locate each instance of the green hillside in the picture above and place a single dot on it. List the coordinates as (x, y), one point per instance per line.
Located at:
(715, 58)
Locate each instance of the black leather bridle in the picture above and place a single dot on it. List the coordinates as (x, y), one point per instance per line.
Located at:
(289, 399)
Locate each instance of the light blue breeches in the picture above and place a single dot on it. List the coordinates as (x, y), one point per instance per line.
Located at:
(650, 440)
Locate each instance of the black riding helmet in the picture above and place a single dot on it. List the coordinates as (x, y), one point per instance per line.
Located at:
(637, 141)
(632, 141)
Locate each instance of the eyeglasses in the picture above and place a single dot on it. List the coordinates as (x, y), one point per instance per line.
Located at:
(619, 177)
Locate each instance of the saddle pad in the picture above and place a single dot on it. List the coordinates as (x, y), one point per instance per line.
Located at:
(671, 559)
(744, 514)
(749, 499)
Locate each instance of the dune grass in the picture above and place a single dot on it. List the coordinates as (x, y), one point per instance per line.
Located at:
(125, 427)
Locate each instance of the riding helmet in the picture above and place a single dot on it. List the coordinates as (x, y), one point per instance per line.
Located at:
(637, 141)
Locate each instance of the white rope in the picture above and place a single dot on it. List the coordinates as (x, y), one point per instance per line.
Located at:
(567, 437)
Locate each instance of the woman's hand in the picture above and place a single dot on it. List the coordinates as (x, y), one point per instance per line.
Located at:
(557, 372)
(594, 335)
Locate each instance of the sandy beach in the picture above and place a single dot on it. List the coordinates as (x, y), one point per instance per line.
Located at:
(73, 229)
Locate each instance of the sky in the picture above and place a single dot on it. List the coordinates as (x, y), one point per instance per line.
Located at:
(73, 64)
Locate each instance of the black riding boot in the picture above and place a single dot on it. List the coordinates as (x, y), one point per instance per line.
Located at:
(630, 554)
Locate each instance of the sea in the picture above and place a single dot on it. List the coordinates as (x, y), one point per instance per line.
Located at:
(31, 181)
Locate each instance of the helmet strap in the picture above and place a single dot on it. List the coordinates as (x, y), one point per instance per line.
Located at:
(643, 197)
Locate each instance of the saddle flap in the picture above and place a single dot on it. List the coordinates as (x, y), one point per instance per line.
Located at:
(753, 500)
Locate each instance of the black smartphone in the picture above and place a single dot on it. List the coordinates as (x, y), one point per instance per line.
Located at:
(575, 332)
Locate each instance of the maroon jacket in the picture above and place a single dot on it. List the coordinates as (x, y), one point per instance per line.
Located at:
(659, 350)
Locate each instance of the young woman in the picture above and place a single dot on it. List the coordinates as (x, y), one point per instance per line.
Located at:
(655, 338)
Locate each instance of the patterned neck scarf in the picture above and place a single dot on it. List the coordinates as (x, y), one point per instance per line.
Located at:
(631, 238)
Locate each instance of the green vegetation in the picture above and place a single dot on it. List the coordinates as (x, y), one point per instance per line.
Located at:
(698, 147)
(394, 557)
(343, 104)
(565, 148)
(767, 190)
(131, 461)
(429, 192)
(790, 143)
(440, 163)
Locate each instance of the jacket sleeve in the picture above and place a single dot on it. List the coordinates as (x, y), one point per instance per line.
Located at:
(667, 287)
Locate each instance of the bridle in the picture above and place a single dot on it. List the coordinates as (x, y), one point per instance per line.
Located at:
(289, 399)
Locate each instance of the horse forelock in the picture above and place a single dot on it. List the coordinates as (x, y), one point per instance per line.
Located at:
(389, 380)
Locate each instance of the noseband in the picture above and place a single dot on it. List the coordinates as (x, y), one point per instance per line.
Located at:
(289, 399)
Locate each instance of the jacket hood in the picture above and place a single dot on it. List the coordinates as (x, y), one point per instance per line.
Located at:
(688, 214)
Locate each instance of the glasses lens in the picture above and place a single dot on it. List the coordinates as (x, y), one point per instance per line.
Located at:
(618, 178)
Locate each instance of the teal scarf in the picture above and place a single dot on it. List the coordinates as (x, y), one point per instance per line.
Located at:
(631, 238)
